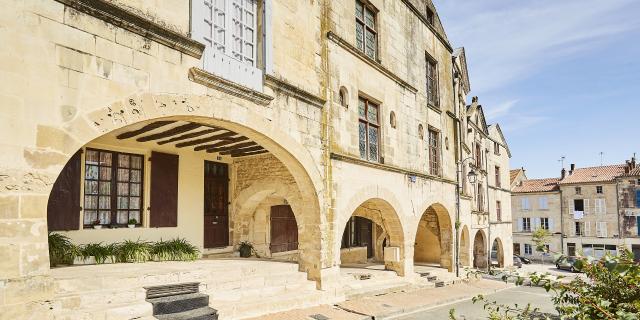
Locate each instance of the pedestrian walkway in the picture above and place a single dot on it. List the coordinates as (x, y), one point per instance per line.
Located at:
(395, 304)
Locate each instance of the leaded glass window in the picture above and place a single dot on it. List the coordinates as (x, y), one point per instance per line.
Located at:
(432, 83)
(112, 187)
(366, 34)
(434, 152)
(368, 130)
(230, 28)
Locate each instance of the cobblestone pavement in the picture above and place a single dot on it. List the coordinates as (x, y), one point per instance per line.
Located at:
(393, 305)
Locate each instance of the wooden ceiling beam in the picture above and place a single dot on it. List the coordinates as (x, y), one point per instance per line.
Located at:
(244, 154)
(220, 144)
(221, 136)
(171, 132)
(233, 147)
(190, 135)
(242, 150)
(146, 128)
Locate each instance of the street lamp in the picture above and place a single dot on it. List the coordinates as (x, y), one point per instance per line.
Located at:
(472, 177)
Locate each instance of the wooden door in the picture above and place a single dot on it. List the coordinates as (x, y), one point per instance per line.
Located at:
(164, 190)
(63, 208)
(284, 229)
(216, 205)
(365, 234)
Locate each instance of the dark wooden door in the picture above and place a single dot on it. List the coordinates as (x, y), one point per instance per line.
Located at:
(284, 229)
(164, 190)
(365, 234)
(216, 205)
(63, 208)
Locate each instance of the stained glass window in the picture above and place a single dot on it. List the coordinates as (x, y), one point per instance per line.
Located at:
(366, 34)
(368, 130)
(115, 205)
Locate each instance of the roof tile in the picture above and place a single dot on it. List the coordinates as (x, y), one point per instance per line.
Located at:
(594, 174)
(537, 185)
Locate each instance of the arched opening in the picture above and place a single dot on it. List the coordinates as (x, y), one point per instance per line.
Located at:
(464, 247)
(434, 238)
(497, 253)
(196, 178)
(479, 250)
(373, 235)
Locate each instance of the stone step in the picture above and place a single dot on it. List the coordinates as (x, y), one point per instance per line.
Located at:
(179, 303)
(126, 311)
(204, 313)
(255, 306)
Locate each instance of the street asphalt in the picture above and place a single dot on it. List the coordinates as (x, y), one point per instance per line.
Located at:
(467, 310)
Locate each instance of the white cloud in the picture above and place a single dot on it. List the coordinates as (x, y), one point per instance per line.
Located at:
(500, 110)
(507, 41)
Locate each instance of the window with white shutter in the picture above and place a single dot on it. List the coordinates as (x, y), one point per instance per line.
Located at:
(600, 206)
(525, 204)
(543, 203)
(587, 228)
(229, 30)
(586, 206)
(601, 229)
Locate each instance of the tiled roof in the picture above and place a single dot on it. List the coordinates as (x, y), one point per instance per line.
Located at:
(513, 174)
(594, 174)
(633, 173)
(537, 185)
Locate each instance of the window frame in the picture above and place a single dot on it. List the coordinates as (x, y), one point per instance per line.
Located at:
(499, 211)
(599, 190)
(579, 190)
(367, 6)
(430, 17)
(496, 148)
(432, 82)
(543, 203)
(497, 175)
(435, 165)
(526, 224)
(530, 247)
(365, 120)
(544, 223)
(113, 194)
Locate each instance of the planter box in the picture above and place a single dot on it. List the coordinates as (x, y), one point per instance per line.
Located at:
(91, 260)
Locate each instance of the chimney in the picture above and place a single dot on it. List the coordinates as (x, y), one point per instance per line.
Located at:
(563, 173)
(573, 168)
(633, 162)
(474, 99)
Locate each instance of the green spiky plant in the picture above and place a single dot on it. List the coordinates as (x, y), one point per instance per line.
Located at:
(101, 253)
(61, 250)
(174, 250)
(133, 251)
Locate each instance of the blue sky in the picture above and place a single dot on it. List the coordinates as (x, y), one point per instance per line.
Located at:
(560, 77)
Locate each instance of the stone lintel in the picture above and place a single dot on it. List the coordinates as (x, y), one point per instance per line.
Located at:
(212, 81)
(294, 91)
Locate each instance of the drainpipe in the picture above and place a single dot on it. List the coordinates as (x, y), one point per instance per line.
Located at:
(458, 172)
(562, 223)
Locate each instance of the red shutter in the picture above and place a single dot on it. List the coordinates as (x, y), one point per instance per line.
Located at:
(63, 208)
(164, 190)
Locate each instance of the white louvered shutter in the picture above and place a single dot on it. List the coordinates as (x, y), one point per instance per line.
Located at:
(587, 228)
(603, 206)
(520, 224)
(551, 225)
(571, 206)
(535, 224)
(586, 206)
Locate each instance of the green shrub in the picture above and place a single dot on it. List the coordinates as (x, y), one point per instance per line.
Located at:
(133, 251)
(99, 251)
(61, 250)
(174, 250)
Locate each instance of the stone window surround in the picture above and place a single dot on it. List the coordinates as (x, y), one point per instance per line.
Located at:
(435, 151)
(432, 76)
(369, 101)
(367, 6)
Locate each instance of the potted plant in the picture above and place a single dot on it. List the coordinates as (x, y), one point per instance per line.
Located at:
(246, 249)
(132, 223)
(97, 225)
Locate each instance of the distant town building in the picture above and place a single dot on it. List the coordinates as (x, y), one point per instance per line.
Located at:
(590, 211)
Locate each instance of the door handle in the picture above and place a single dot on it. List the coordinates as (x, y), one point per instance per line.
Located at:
(214, 222)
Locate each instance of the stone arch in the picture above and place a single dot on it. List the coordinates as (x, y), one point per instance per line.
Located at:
(84, 127)
(245, 203)
(435, 225)
(463, 253)
(381, 207)
(480, 250)
(497, 247)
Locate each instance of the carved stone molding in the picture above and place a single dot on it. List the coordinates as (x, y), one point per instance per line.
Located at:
(294, 91)
(210, 80)
(137, 24)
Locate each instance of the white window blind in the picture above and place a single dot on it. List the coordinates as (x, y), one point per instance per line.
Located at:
(543, 203)
(601, 229)
(600, 206)
(525, 203)
(587, 228)
(586, 206)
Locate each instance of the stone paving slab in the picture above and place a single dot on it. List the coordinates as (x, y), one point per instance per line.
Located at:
(394, 304)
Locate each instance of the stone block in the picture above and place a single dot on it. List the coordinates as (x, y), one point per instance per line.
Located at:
(115, 52)
(34, 259)
(50, 9)
(66, 36)
(27, 289)
(136, 42)
(16, 231)
(89, 24)
(70, 59)
(9, 206)
(53, 138)
(9, 261)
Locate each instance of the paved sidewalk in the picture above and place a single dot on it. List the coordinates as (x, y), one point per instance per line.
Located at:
(392, 305)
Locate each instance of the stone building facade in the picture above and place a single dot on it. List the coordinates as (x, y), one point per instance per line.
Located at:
(536, 203)
(589, 211)
(234, 121)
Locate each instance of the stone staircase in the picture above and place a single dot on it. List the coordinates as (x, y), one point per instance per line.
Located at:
(364, 282)
(180, 302)
(236, 288)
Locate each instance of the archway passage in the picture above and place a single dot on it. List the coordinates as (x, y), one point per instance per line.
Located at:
(497, 253)
(195, 178)
(373, 234)
(434, 238)
(479, 250)
(464, 248)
